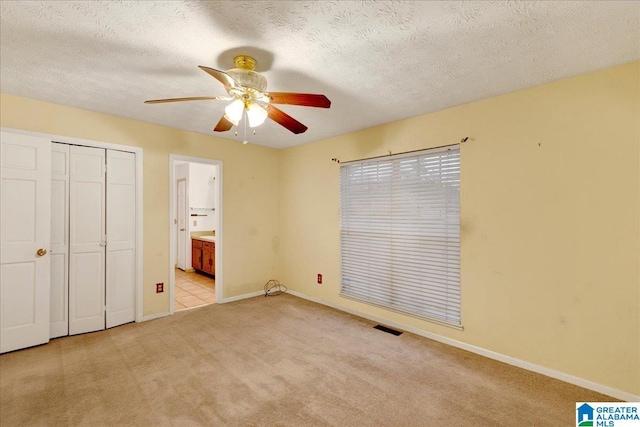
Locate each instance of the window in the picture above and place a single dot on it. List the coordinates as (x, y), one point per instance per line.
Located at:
(400, 233)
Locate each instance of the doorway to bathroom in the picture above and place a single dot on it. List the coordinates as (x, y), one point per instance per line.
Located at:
(196, 232)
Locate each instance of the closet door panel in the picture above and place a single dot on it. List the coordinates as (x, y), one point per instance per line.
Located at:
(121, 292)
(88, 301)
(87, 240)
(121, 238)
(59, 309)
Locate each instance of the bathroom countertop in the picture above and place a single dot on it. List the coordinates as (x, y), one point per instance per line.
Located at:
(205, 238)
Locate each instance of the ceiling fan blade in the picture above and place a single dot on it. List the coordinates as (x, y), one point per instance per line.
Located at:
(305, 99)
(221, 76)
(285, 120)
(223, 125)
(192, 98)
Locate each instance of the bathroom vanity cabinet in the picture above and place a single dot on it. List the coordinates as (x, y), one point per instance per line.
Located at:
(203, 255)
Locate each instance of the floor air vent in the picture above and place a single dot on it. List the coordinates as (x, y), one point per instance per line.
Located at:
(387, 330)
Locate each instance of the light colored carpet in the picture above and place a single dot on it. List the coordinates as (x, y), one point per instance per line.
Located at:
(276, 361)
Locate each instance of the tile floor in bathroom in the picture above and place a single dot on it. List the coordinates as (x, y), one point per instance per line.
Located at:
(194, 290)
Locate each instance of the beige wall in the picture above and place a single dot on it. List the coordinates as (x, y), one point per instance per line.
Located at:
(250, 189)
(550, 215)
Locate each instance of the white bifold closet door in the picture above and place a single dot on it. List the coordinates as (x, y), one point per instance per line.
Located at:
(59, 310)
(87, 240)
(102, 252)
(121, 238)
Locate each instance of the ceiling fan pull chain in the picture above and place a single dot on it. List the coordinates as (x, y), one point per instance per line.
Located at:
(245, 127)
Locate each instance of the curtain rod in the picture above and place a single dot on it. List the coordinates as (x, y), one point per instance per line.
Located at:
(465, 139)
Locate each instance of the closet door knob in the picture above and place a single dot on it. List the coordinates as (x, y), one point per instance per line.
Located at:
(41, 252)
(103, 244)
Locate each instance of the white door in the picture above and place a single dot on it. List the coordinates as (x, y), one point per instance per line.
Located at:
(182, 224)
(25, 193)
(121, 238)
(59, 314)
(87, 240)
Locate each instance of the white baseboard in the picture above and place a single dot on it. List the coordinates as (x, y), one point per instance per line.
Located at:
(154, 316)
(239, 297)
(581, 382)
(225, 300)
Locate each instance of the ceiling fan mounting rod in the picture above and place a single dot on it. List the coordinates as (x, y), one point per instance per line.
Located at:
(245, 62)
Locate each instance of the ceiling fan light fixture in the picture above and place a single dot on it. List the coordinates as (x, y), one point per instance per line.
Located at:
(233, 111)
(256, 114)
(246, 89)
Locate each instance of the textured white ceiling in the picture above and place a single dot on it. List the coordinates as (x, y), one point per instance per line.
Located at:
(377, 61)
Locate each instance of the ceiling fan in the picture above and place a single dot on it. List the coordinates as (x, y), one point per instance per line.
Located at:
(246, 89)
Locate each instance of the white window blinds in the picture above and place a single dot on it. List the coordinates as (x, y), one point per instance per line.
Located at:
(400, 233)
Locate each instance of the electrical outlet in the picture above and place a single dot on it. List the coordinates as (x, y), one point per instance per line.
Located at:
(159, 288)
(195, 222)
(319, 279)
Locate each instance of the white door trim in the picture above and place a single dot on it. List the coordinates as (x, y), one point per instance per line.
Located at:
(139, 194)
(173, 158)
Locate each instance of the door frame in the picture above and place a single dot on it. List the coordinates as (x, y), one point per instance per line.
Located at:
(173, 159)
(139, 194)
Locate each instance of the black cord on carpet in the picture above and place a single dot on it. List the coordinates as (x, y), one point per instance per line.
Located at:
(274, 288)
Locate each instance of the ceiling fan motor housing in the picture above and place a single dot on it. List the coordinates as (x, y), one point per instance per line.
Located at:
(248, 78)
(245, 73)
